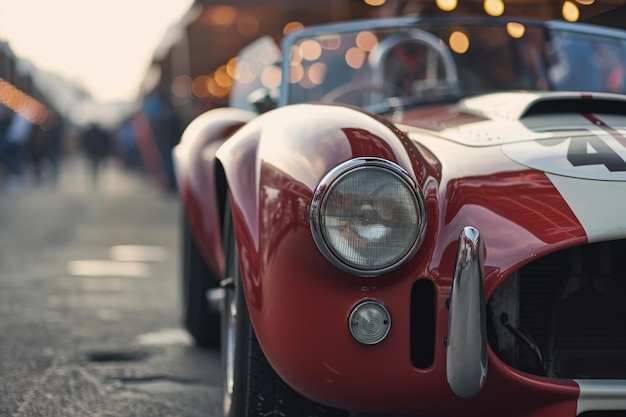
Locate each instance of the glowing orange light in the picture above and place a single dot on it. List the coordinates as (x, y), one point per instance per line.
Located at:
(311, 50)
(515, 30)
(223, 16)
(216, 90)
(317, 73)
(199, 86)
(494, 7)
(296, 73)
(270, 77)
(459, 42)
(570, 11)
(222, 78)
(367, 41)
(230, 67)
(291, 26)
(21, 103)
(374, 3)
(355, 57)
(446, 5)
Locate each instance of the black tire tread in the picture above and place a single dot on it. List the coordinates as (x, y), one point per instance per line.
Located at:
(202, 323)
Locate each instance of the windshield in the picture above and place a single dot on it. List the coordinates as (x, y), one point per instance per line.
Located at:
(429, 62)
(385, 63)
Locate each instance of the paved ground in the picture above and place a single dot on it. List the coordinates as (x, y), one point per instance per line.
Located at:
(89, 321)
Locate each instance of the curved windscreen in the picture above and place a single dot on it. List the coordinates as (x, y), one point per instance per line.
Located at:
(438, 62)
(381, 64)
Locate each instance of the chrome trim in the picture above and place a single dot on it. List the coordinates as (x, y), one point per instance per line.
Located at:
(352, 317)
(326, 184)
(601, 394)
(466, 359)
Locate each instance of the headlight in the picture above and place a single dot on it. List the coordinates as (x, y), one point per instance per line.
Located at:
(367, 216)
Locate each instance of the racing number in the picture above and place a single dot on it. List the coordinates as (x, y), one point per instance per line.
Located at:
(578, 153)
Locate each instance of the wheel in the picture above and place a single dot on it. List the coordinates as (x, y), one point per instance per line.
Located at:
(251, 387)
(202, 322)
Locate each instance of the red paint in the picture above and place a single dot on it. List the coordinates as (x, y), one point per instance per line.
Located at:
(299, 303)
(194, 160)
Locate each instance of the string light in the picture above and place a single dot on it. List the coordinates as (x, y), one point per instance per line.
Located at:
(494, 7)
(21, 103)
(446, 5)
(570, 11)
(515, 30)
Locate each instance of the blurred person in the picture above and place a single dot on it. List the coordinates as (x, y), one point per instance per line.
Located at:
(148, 149)
(13, 148)
(45, 148)
(166, 129)
(127, 143)
(97, 144)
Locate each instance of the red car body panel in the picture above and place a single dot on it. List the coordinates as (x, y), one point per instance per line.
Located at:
(195, 175)
(273, 165)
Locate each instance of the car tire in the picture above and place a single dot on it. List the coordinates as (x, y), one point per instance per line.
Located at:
(251, 386)
(202, 322)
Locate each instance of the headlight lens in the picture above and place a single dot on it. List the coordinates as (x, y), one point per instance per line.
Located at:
(367, 216)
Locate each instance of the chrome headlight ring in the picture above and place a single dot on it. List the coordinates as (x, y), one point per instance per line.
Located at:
(368, 216)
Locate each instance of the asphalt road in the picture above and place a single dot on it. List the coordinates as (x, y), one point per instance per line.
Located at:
(89, 303)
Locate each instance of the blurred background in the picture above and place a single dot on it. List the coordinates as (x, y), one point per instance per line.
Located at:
(122, 79)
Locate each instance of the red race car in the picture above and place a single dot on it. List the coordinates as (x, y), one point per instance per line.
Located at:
(414, 216)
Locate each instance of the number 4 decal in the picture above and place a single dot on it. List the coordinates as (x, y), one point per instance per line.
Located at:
(580, 154)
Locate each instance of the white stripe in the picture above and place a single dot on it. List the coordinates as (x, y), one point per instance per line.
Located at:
(600, 206)
(601, 394)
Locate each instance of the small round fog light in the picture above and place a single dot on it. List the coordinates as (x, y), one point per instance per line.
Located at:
(369, 322)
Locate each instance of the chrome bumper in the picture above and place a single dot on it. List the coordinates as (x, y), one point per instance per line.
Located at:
(466, 359)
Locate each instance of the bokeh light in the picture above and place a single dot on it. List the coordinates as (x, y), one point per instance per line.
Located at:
(447, 5)
(223, 16)
(296, 72)
(199, 86)
(366, 41)
(311, 50)
(570, 11)
(375, 3)
(291, 26)
(355, 57)
(515, 30)
(459, 42)
(270, 77)
(317, 73)
(494, 7)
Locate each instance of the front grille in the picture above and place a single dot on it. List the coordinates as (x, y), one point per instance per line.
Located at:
(571, 305)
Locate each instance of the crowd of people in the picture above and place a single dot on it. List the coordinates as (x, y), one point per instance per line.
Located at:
(33, 154)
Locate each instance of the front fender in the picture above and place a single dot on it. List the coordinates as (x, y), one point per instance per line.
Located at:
(194, 163)
(272, 166)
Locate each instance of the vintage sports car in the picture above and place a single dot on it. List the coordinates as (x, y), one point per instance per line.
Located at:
(414, 216)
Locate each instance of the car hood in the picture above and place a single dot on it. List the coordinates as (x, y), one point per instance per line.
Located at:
(578, 142)
(577, 135)
(503, 118)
